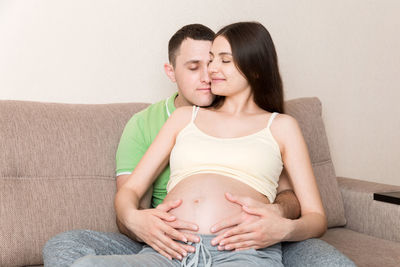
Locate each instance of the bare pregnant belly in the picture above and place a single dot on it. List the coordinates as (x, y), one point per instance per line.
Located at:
(204, 201)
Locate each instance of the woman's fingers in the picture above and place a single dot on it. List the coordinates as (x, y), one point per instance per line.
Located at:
(171, 249)
(169, 205)
(241, 241)
(242, 200)
(254, 210)
(183, 225)
(227, 222)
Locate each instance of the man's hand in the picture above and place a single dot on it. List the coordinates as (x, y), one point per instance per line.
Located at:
(259, 225)
(159, 230)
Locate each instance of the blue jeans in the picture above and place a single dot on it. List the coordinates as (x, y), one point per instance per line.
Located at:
(64, 249)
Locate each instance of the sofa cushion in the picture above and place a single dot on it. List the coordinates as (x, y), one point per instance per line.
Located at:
(57, 172)
(308, 113)
(364, 250)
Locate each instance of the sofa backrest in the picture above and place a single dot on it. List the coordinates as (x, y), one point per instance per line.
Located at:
(57, 170)
(308, 113)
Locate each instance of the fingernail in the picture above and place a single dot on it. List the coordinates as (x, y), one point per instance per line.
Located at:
(185, 240)
(184, 254)
(213, 229)
(222, 243)
(228, 247)
(213, 242)
(220, 248)
(180, 257)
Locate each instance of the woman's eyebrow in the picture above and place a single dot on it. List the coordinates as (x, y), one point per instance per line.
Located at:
(221, 53)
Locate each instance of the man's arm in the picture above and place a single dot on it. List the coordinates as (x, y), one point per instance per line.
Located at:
(286, 199)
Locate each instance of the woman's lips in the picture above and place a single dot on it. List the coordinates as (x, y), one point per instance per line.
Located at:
(217, 80)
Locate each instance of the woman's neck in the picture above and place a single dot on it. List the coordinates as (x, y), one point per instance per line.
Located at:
(239, 104)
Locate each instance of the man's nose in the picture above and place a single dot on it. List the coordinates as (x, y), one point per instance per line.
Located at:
(204, 76)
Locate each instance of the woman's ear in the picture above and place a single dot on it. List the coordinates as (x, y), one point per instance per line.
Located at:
(169, 70)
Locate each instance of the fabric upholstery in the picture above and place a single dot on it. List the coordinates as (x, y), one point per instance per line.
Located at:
(364, 250)
(369, 216)
(57, 172)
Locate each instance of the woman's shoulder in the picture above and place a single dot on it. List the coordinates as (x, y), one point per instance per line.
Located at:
(285, 121)
(181, 116)
(183, 112)
(284, 128)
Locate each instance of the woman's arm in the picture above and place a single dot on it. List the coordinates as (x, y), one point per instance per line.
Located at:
(312, 222)
(149, 225)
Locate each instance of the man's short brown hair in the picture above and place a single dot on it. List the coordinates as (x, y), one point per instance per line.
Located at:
(193, 31)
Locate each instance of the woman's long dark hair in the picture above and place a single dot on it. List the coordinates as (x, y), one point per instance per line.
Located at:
(255, 57)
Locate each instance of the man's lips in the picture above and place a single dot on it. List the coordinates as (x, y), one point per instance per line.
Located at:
(204, 89)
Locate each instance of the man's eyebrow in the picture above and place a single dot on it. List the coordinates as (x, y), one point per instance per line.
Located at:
(193, 61)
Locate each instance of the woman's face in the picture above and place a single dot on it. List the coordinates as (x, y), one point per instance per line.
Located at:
(226, 79)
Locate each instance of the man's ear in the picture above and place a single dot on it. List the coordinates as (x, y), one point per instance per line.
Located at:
(169, 70)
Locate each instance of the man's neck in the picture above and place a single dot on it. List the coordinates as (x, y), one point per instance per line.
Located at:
(180, 101)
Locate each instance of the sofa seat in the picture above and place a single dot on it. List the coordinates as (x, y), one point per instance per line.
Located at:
(364, 250)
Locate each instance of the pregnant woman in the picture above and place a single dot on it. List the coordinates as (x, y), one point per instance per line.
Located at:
(237, 145)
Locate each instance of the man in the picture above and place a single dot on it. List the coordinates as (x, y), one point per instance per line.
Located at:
(188, 55)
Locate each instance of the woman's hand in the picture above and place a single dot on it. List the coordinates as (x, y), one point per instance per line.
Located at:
(159, 230)
(259, 225)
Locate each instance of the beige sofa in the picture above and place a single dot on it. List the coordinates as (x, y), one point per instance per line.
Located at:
(57, 174)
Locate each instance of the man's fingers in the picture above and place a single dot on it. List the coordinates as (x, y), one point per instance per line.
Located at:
(225, 223)
(169, 205)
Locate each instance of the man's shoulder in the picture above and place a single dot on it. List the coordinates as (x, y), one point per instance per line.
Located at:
(153, 110)
(151, 118)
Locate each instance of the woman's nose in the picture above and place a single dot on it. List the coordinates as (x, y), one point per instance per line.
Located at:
(212, 67)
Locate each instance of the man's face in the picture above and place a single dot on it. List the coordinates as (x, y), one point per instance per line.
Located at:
(190, 73)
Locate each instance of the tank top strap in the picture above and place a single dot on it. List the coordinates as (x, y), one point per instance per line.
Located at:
(273, 115)
(194, 112)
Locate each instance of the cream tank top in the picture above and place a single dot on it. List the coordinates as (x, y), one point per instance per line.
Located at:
(253, 159)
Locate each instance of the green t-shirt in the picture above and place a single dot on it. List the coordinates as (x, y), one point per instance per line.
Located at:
(139, 133)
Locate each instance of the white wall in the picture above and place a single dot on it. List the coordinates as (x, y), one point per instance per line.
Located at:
(346, 52)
